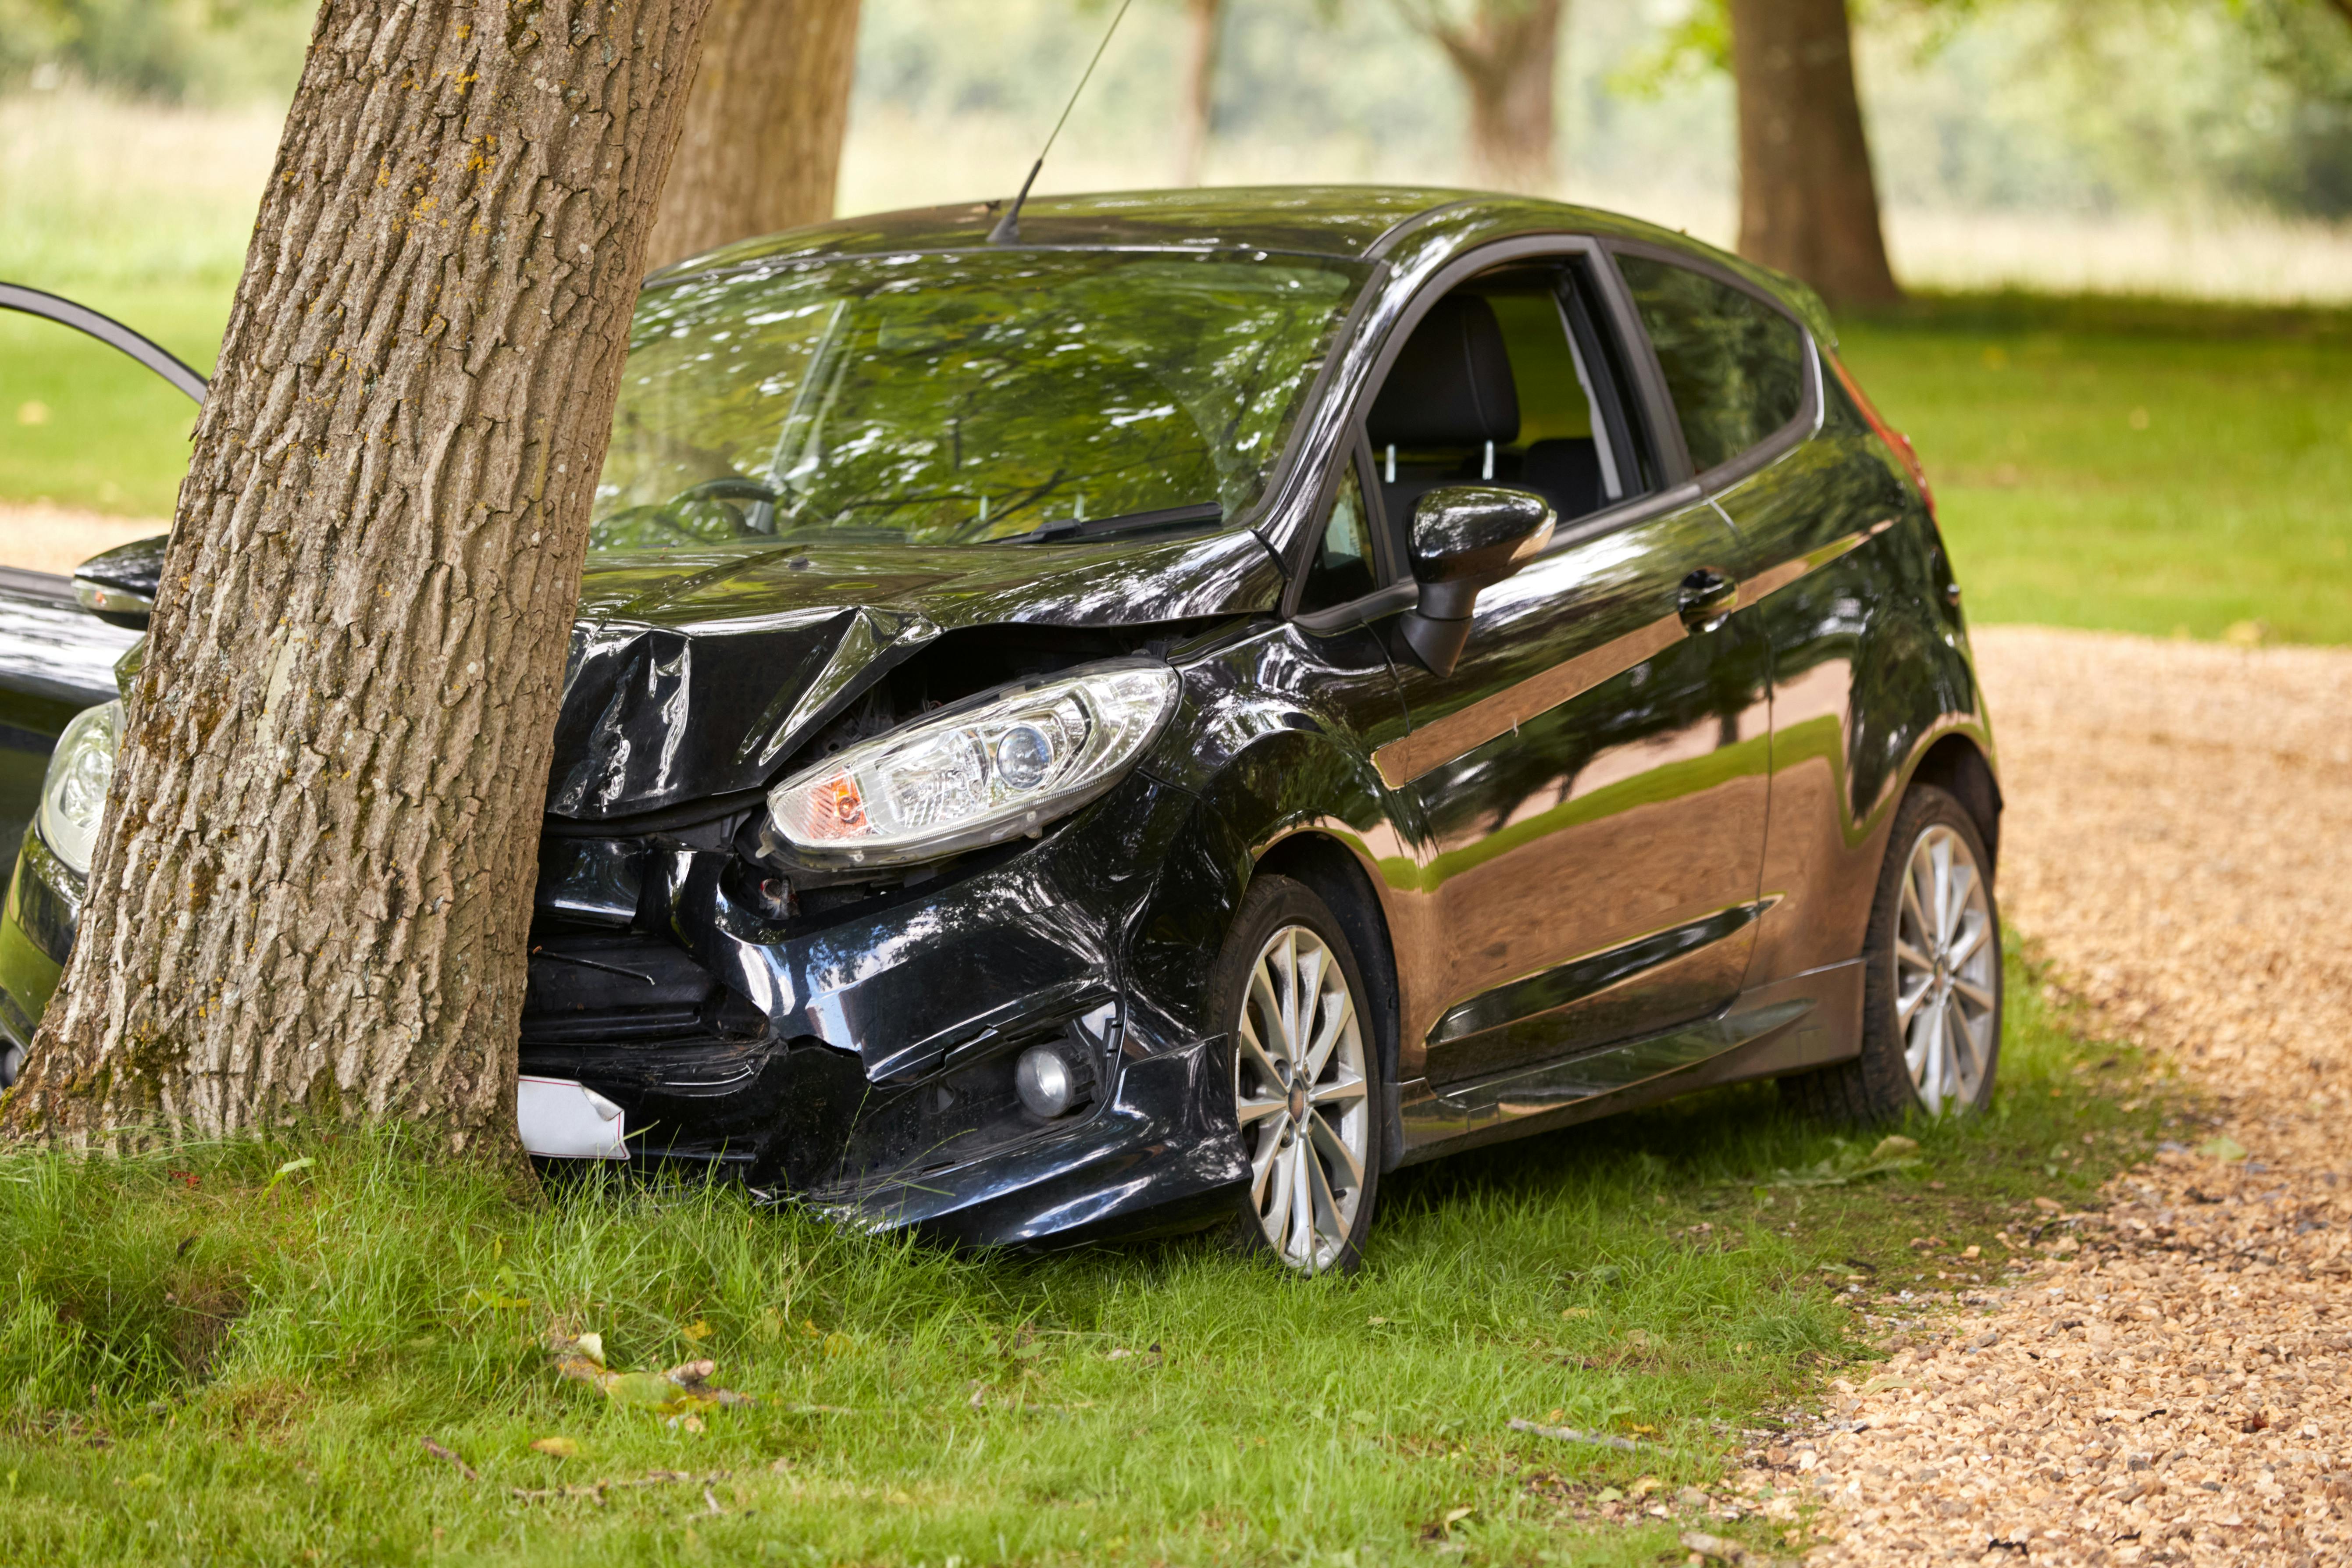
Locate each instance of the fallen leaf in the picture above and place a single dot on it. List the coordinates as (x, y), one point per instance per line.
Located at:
(1645, 1485)
(675, 1393)
(697, 1330)
(2048, 1205)
(2222, 1147)
(561, 1448)
(650, 1390)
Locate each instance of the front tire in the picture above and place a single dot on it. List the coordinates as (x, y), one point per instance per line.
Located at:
(1932, 979)
(1305, 1079)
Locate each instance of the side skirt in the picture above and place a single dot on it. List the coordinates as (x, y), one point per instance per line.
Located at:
(1794, 1025)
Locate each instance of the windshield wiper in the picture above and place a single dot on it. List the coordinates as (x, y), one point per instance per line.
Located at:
(1203, 514)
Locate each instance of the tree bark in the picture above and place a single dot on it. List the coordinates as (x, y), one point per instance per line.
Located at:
(1196, 98)
(1808, 200)
(313, 890)
(762, 147)
(1506, 55)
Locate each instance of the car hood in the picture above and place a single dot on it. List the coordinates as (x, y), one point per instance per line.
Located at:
(698, 673)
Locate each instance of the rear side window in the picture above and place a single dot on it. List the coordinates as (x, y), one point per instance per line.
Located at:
(1734, 365)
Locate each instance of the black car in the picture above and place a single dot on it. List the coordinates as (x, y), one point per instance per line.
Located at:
(1157, 723)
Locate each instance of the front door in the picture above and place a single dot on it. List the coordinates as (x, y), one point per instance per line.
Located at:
(1590, 779)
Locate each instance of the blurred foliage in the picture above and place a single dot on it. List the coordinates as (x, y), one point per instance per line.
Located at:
(2251, 98)
(173, 51)
(2306, 45)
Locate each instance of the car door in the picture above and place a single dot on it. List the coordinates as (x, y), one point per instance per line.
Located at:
(1780, 447)
(1590, 780)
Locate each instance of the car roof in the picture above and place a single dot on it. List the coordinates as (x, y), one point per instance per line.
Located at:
(1343, 222)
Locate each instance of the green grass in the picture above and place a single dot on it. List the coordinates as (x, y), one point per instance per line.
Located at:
(200, 1365)
(2131, 465)
(83, 425)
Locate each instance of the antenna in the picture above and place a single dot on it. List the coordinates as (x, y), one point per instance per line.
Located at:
(1008, 227)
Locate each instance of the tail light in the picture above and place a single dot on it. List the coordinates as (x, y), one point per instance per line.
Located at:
(1897, 442)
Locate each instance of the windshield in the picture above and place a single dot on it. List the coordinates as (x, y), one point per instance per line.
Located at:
(945, 399)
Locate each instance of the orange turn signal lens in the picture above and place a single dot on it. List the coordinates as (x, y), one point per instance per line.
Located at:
(837, 809)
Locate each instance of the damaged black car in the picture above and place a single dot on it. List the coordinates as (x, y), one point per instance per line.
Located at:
(1153, 725)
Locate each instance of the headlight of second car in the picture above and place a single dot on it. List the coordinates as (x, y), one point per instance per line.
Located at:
(73, 795)
(987, 769)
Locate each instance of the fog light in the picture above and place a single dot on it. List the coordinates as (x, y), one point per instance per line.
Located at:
(1043, 1081)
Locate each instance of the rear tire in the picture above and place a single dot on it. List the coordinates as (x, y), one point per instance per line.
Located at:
(1931, 978)
(1289, 992)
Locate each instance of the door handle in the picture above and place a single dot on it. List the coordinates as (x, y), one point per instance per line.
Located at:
(1706, 596)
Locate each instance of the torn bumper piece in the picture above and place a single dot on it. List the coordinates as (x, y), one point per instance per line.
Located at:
(561, 1120)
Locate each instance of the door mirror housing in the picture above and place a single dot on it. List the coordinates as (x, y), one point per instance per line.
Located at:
(1467, 538)
(119, 587)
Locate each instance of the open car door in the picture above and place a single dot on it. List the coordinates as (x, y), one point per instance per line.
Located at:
(60, 637)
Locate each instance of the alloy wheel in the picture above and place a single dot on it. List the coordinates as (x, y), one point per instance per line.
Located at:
(1946, 976)
(1303, 1099)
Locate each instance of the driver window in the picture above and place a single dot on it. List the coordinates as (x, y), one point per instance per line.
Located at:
(1493, 385)
(1343, 569)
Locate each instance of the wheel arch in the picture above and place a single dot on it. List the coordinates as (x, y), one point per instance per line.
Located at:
(1958, 765)
(1325, 864)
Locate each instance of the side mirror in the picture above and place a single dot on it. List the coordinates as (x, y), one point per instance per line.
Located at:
(1467, 538)
(119, 587)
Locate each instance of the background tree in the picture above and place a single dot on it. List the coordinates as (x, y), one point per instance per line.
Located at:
(762, 146)
(1196, 96)
(1506, 53)
(1808, 197)
(314, 884)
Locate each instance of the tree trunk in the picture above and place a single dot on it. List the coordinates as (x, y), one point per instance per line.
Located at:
(762, 147)
(1507, 56)
(313, 890)
(1808, 201)
(1197, 96)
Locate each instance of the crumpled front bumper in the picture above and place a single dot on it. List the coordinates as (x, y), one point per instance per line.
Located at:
(860, 1058)
(1162, 1155)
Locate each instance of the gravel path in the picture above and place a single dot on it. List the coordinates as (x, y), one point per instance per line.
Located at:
(40, 537)
(2171, 1380)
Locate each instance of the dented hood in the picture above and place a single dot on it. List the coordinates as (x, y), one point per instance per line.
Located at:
(698, 673)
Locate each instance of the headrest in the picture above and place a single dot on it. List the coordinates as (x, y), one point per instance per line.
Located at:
(1452, 384)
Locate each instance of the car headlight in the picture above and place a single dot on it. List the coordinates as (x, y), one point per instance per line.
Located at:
(980, 770)
(73, 795)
